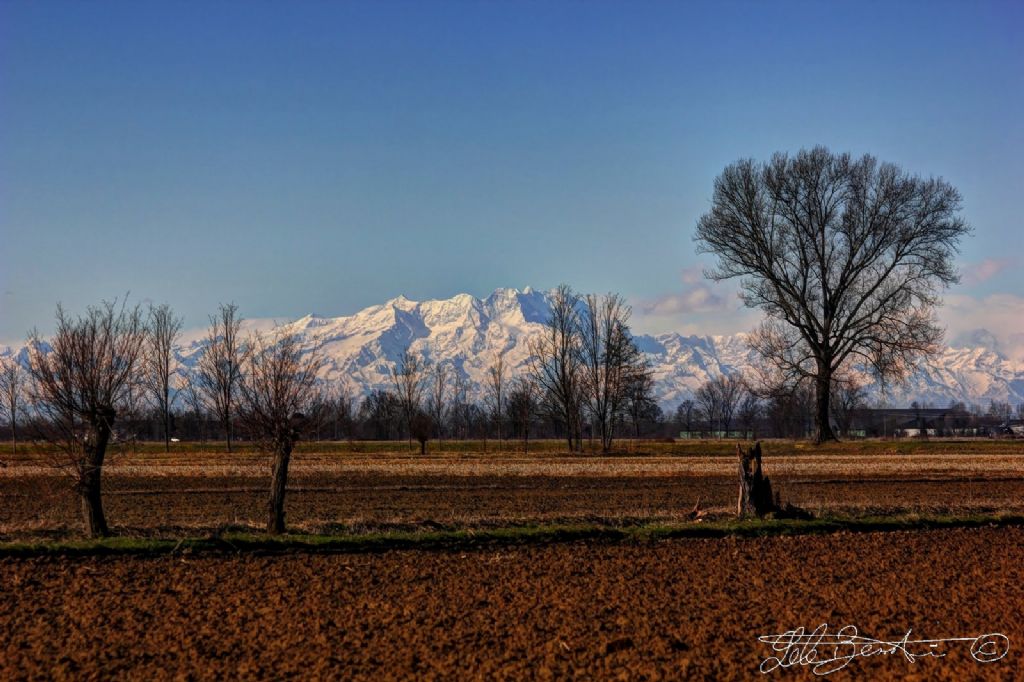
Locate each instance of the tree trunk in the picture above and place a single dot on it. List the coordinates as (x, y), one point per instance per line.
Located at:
(755, 496)
(823, 425)
(278, 483)
(92, 506)
(606, 434)
(167, 424)
(89, 483)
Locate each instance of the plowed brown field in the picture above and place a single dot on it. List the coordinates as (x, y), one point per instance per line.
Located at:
(681, 609)
(354, 492)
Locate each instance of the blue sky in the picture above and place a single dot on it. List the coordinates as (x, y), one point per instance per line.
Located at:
(322, 157)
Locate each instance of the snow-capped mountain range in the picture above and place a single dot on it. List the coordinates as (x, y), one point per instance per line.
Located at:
(468, 333)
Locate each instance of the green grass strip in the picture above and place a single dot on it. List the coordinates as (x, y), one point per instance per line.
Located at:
(243, 542)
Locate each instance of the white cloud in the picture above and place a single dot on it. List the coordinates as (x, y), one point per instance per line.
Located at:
(693, 275)
(700, 299)
(1000, 313)
(972, 274)
(701, 306)
(706, 307)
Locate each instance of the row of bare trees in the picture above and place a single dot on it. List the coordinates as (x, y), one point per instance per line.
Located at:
(432, 400)
(586, 374)
(82, 378)
(584, 369)
(453, 411)
(719, 399)
(586, 364)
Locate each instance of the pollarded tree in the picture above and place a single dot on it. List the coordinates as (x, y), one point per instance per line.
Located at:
(847, 258)
(277, 392)
(79, 385)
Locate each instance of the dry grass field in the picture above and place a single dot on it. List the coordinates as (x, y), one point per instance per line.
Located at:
(374, 486)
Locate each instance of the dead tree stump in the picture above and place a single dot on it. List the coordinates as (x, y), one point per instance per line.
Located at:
(755, 488)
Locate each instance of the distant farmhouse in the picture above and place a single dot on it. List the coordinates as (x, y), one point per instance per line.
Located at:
(885, 422)
(916, 422)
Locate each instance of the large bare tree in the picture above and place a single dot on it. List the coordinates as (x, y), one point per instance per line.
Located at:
(79, 383)
(160, 363)
(12, 392)
(277, 391)
(555, 363)
(219, 367)
(847, 257)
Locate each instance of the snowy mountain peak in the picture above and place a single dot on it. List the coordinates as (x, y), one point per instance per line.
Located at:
(469, 333)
